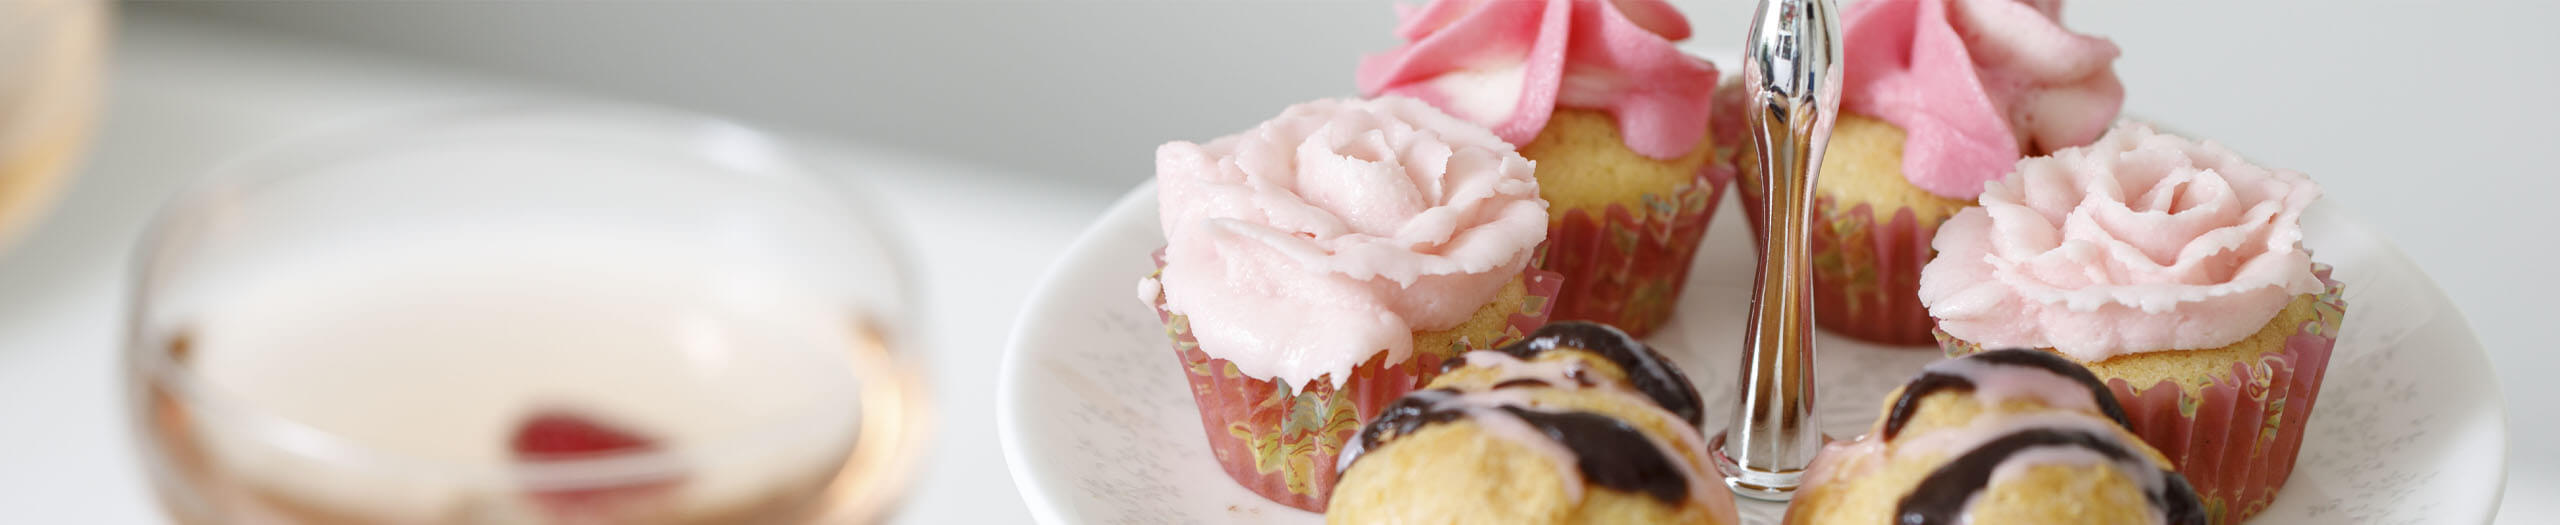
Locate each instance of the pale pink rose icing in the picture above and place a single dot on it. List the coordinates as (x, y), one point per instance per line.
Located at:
(1508, 64)
(1976, 84)
(2140, 242)
(1309, 244)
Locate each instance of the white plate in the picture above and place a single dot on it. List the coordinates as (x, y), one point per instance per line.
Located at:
(1099, 428)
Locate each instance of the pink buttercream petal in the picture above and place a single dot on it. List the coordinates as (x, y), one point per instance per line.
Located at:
(1497, 45)
(1975, 84)
(1427, 161)
(1372, 219)
(1370, 196)
(2139, 242)
(1443, 299)
(1906, 65)
(1509, 64)
(1648, 76)
(1428, 229)
(2056, 116)
(1656, 17)
(2019, 232)
(1353, 317)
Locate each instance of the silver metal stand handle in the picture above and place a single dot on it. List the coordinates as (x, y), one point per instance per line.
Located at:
(1792, 68)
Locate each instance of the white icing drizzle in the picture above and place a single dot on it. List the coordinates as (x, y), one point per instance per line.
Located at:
(1988, 427)
(1995, 383)
(1559, 373)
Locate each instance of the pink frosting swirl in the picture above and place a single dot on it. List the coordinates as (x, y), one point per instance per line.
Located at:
(2140, 242)
(1508, 64)
(1976, 84)
(1329, 234)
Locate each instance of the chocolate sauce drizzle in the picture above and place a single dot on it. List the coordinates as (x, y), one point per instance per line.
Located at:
(1933, 381)
(1609, 452)
(1919, 387)
(1941, 498)
(1405, 415)
(1646, 369)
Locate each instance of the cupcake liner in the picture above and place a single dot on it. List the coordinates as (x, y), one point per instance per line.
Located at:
(2236, 439)
(1625, 268)
(1866, 275)
(1283, 444)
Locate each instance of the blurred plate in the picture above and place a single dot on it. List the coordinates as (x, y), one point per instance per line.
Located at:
(1099, 427)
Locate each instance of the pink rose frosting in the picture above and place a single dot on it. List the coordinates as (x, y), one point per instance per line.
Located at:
(1508, 64)
(2140, 242)
(1976, 84)
(1318, 239)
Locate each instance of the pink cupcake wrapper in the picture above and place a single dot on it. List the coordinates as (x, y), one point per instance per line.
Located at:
(1626, 268)
(1282, 445)
(2236, 439)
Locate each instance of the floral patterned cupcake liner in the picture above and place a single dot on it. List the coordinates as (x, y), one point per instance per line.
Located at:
(1283, 444)
(1866, 274)
(1625, 268)
(2236, 438)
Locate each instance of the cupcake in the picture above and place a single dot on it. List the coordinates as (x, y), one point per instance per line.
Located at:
(1938, 97)
(1325, 262)
(2006, 436)
(1615, 117)
(1579, 423)
(2174, 271)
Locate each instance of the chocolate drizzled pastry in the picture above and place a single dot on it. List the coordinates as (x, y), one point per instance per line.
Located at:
(1605, 413)
(1941, 498)
(1938, 379)
(1646, 369)
(2041, 422)
(1608, 452)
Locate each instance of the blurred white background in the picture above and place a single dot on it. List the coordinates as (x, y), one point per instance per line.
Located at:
(2433, 121)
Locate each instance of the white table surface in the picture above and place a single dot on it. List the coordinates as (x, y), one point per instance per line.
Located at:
(187, 94)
